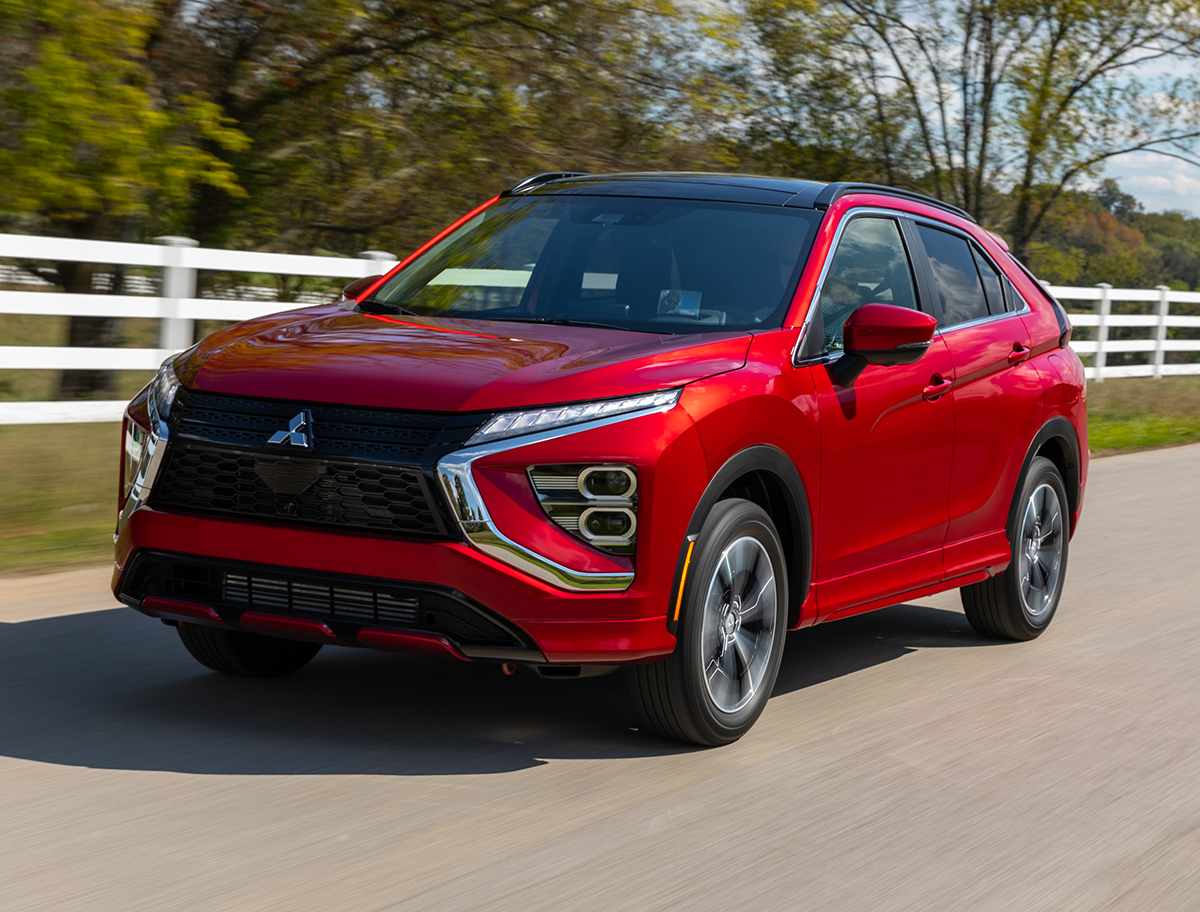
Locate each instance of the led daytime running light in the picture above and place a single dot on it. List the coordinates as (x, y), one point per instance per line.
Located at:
(515, 424)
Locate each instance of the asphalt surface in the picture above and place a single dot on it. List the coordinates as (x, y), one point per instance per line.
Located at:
(903, 762)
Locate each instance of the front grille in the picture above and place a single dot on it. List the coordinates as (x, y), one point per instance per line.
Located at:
(233, 588)
(358, 468)
(370, 497)
(357, 433)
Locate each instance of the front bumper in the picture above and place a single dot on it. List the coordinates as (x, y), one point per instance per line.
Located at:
(579, 628)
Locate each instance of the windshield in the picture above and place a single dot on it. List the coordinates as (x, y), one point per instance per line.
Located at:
(653, 265)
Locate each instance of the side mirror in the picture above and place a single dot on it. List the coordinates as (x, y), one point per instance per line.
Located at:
(882, 334)
(358, 286)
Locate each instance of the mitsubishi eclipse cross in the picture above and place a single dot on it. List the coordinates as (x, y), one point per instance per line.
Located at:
(647, 420)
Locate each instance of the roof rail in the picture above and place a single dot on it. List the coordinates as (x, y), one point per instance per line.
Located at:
(537, 180)
(833, 191)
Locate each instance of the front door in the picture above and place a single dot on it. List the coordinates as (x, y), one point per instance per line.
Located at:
(886, 441)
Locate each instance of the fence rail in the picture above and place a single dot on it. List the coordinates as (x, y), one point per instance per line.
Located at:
(177, 308)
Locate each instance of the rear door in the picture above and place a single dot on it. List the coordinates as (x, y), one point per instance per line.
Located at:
(997, 392)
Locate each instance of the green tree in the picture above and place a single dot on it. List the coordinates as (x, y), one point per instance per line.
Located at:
(371, 122)
(88, 144)
(962, 99)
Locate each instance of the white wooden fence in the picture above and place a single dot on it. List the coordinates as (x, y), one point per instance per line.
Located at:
(177, 309)
(1101, 346)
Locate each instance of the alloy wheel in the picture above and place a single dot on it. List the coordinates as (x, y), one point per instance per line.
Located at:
(1040, 550)
(738, 628)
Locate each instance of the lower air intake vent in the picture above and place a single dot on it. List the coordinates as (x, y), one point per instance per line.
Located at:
(232, 588)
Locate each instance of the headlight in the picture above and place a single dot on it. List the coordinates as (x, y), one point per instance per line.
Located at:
(163, 391)
(514, 424)
(135, 449)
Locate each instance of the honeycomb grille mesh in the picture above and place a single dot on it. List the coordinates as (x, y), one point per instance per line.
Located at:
(377, 497)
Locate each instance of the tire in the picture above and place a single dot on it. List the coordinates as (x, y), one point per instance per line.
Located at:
(716, 683)
(1019, 603)
(249, 655)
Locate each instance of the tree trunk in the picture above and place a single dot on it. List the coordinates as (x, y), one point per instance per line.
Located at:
(91, 332)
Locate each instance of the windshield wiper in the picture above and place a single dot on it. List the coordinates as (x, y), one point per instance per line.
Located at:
(564, 321)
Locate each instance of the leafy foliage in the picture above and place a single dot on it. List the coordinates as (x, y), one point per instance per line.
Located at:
(343, 125)
(998, 106)
(84, 131)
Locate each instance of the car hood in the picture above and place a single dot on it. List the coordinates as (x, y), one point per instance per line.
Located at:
(327, 354)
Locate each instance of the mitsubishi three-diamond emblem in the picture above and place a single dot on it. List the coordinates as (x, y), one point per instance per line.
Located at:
(298, 434)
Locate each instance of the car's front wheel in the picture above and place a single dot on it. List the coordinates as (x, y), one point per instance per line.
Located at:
(251, 655)
(1019, 603)
(716, 683)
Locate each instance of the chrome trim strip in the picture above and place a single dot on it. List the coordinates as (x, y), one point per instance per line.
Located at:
(979, 321)
(148, 468)
(458, 484)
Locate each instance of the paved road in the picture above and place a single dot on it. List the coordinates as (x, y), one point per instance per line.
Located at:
(903, 763)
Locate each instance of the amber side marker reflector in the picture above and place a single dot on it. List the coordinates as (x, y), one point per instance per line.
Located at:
(683, 579)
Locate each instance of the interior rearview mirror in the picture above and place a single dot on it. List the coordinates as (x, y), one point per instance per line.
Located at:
(882, 334)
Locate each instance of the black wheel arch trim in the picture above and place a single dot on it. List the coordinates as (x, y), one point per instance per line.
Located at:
(761, 458)
(1061, 429)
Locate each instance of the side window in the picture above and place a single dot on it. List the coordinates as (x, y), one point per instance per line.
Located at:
(869, 266)
(991, 282)
(1011, 296)
(955, 276)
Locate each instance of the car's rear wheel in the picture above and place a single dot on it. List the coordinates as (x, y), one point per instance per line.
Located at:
(716, 683)
(247, 654)
(1019, 603)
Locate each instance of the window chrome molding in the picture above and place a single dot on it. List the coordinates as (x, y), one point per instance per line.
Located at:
(815, 301)
(458, 484)
(980, 321)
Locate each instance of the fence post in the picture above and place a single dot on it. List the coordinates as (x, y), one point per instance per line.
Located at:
(1164, 307)
(1102, 330)
(178, 284)
(374, 256)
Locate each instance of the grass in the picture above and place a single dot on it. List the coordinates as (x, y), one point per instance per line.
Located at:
(58, 495)
(58, 487)
(1141, 413)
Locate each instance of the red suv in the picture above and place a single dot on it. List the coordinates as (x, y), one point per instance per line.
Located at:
(651, 420)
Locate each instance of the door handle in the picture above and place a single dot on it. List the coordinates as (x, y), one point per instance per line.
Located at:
(1018, 354)
(938, 387)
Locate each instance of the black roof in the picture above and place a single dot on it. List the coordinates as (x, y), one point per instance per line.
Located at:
(697, 185)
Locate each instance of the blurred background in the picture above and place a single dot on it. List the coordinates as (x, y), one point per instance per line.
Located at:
(333, 127)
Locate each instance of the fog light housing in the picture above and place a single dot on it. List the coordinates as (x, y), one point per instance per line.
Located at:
(608, 482)
(595, 503)
(604, 525)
